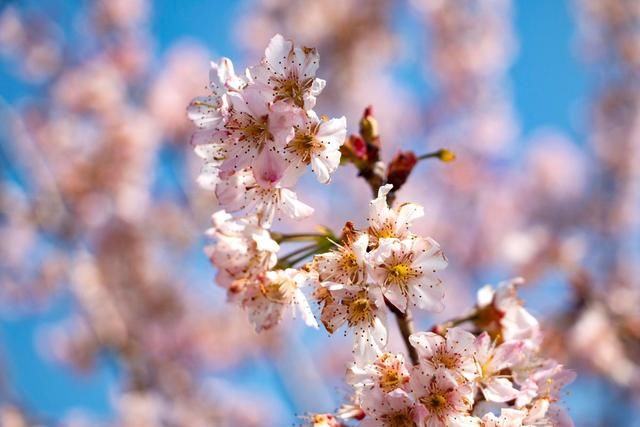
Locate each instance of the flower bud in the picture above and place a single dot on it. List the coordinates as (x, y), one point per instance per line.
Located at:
(369, 127)
(354, 149)
(446, 155)
(400, 168)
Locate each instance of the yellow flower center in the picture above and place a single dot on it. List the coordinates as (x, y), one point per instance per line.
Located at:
(434, 402)
(304, 145)
(255, 130)
(400, 271)
(360, 309)
(291, 88)
(391, 379)
(385, 233)
(278, 292)
(398, 419)
(443, 358)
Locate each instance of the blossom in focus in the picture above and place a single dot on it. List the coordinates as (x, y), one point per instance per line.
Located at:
(406, 270)
(443, 400)
(287, 73)
(453, 353)
(386, 222)
(257, 133)
(363, 311)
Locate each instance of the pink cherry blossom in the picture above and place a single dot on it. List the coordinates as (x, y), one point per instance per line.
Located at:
(453, 353)
(242, 252)
(491, 359)
(363, 310)
(540, 378)
(406, 270)
(395, 409)
(208, 144)
(287, 73)
(241, 192)
(317, 142)
(442, 400)
(501, 309)
(346, 264)
(386, 222)
(275, 292)
(387, 373)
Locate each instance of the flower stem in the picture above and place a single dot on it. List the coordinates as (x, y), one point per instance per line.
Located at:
(443, 154)
(306, 254)
(296, 237)
(298, 251)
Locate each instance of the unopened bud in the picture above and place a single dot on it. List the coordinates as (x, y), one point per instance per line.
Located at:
(354, 149)
(400, 168)
(369, 127)
(446, 155)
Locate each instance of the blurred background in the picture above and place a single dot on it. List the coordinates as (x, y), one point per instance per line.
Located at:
(109, 314)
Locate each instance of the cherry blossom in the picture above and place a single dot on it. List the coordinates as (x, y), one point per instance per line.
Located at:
(243, 250)
(502, 313)
(287, 73)
(491, 360)
(386, 222)
(363, 310)
(346, 264)
(242, 192)
(453, 353)
(209, 146)
(257, 135)
(275, 292)
(540, 378)
(395, 409)
(387, 373)
(443, 401)
(406, 270)
(317, 142)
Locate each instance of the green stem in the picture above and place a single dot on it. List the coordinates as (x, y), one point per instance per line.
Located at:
(442, 154)
(299, 251)
(296, 237)
(435, 154)
(303, 256)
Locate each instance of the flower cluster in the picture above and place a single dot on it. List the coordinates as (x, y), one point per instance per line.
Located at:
(384, 265)
(494, 378)
(258, 132)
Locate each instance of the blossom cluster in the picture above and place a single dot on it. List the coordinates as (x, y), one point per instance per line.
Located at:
(257, 133)
(494, 378)
(385, 264)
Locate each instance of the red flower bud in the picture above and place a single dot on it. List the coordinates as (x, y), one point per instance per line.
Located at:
(400, 168)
